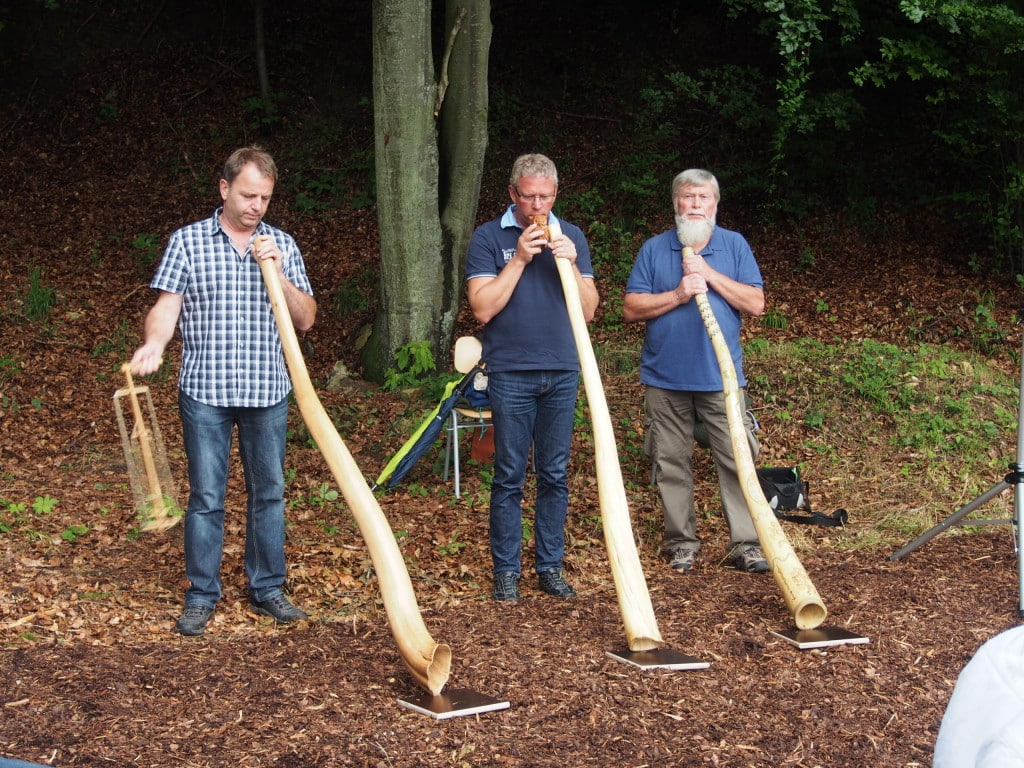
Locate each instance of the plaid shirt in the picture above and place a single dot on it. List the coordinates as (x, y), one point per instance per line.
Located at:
(231, 351)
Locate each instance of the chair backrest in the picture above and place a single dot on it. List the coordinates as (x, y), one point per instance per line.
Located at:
(467, 353)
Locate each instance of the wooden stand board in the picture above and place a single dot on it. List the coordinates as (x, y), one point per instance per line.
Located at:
(659, 658)
(456, 702)
(821, 637)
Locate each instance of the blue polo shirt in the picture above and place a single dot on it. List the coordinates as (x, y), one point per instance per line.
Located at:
(533, 331)
(677, 352)
(231, 351)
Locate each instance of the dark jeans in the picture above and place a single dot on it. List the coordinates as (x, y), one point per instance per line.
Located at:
(531, 408)
(261, 444)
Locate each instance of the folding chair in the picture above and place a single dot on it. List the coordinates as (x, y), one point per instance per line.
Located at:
(464, 416)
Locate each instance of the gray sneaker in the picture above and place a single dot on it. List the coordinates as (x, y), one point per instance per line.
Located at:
(506, 586)
(193, 620)
(280, 608)
(749, 558)
(554, 583)
(682, 559)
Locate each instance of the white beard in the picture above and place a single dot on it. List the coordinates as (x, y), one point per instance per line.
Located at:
(691, 232)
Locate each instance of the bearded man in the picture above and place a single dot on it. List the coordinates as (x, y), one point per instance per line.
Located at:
(679, 367)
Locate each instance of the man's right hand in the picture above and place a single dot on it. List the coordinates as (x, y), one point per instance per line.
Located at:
(146, 360)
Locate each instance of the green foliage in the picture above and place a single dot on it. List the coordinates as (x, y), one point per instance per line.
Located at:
(797, 30)
(453, 546)
(417, 489)
(9, 368)
(153, 513)
(581, 424)
(726, 101)
(613, 245)
(774, 319)
(527, 530)
(613, 250)
(932, 400)
(22, 518)
(108, 110)
(413, 364)
(323, 495)
(349, 299)
(73, 532)
(39, 298)
(350, 183)
(966, 58)
(322, 498)
(264, 113)
(985, 334)
(147, 245)
(353, 295)
(807, 259)
(44, 505)
(119, 343)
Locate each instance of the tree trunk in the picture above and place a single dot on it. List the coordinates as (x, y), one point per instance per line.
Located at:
(424, 231)
(259, 13)
(405, 143)
(463, 141)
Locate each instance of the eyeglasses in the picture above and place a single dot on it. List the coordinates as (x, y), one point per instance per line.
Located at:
(535, 198)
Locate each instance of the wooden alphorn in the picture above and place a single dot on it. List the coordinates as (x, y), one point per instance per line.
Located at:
(799, 593)
(428, 662)
(631, 588)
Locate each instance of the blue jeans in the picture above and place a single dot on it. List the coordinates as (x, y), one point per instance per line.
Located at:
(206, 431)
(530, 408)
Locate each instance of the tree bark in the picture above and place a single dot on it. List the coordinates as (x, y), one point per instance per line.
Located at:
(405, 145)
(463, 143)
(259, 14)
(427, 187)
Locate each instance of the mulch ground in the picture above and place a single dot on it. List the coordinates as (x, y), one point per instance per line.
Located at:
(115, 687)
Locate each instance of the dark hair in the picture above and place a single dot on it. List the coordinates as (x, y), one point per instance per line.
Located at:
(253, 154)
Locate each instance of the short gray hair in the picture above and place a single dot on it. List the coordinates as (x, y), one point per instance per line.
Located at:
(532, 165)
(695, 177)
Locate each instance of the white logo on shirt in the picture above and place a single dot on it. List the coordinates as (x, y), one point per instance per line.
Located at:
(507, 254)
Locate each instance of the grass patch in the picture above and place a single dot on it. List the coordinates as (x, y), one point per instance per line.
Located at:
(900, 436)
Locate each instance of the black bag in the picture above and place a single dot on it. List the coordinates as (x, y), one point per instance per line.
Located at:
(785, 491)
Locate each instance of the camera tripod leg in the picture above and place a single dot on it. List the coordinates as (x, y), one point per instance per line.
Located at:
(953, 519)
(1014, 478)
(1018, 505)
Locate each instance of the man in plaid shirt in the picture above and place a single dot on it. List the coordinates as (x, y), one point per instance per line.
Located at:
(233, 373)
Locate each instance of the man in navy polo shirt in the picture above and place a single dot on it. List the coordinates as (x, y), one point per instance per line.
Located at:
(532, 367)
(679, 367)
(233, 374)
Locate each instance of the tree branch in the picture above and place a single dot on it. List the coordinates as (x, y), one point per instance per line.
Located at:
(442, 84)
